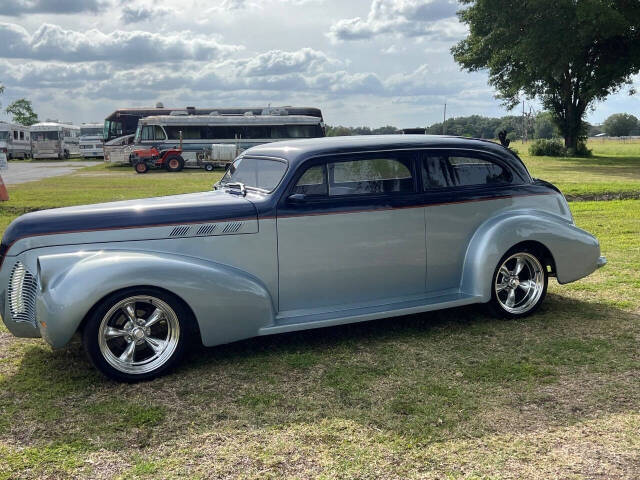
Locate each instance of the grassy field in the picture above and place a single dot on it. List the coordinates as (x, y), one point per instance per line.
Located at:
(453, 394)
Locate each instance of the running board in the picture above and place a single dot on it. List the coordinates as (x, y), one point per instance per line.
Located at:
(362, 314)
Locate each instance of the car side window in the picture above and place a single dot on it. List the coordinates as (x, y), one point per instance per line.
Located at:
(313, 182)
(440, 171)
(370, 176)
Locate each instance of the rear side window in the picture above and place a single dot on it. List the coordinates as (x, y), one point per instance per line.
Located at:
(440, 171)
(370, 176)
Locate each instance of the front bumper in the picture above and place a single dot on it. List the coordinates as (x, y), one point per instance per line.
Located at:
(602, 261)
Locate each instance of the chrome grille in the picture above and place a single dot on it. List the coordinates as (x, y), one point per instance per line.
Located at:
(23, 287)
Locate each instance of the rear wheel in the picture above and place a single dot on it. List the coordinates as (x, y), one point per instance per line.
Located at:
(208, 167)
(141, 167)
(137, 334)
(519, 284)
(175, 163)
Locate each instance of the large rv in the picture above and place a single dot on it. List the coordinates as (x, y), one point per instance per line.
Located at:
(54, 140)
(125, 121)
(91, 142)
(14, 140)
(197, 133)
(118, 150)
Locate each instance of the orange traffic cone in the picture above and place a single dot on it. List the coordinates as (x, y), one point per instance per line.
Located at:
(4, 195)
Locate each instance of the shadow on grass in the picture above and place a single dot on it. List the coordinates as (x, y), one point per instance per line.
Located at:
(424, 377)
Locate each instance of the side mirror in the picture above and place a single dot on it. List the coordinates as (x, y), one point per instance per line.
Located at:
(297, 199)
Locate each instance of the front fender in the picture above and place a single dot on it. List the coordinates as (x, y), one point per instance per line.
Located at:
(228, 304)
(575, 252)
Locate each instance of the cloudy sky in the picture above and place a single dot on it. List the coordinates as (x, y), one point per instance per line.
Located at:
(364, 62)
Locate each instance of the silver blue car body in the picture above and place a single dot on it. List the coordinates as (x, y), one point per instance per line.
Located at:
(256, 262)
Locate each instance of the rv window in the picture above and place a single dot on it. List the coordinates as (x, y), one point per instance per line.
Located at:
(21, 135)
(40, 136)
(15, 135)
(147, 133)
(4, 135)
(159, 133)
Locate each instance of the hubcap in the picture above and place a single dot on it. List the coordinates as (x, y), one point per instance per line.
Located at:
(139, 334)
(519, 283)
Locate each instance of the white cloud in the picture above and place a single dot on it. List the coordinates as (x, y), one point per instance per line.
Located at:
(409, 18)
(52, 42)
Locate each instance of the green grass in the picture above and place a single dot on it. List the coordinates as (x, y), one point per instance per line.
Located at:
(612, 171)
(452, 394)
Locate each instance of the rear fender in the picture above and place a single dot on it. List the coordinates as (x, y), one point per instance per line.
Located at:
(575, 252)
(228, 304)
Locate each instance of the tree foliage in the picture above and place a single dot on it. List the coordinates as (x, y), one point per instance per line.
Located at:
(620, 125)
(340, 131)
(22, 112)
(567, 53)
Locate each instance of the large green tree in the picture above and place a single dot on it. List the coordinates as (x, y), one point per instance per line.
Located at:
(567, 53)
(22, 112)
(620, 125)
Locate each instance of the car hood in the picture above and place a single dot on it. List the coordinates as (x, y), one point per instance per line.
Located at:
(149, 212)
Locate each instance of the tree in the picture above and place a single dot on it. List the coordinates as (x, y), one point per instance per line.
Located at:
(567, 53)
(22, 112)
(620, 125)
(543, 126)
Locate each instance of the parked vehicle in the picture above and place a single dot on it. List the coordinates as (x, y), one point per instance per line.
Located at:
(195, 134)
(90, 141)
(297, 235)
(14, 141)
(118, 150)
(125, 121)
(54, 140)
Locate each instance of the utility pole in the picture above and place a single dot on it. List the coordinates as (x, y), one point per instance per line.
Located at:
(524, 125)
(444, 121)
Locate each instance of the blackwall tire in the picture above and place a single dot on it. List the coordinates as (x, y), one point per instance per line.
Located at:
(137, 334)
(141, 167)
(175, 163)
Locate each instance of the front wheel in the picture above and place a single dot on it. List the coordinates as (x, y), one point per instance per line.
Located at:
(135, 335)
(208, 167)
(141, 167)
(519, 284)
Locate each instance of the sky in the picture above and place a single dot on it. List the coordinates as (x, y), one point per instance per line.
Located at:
(363, 62)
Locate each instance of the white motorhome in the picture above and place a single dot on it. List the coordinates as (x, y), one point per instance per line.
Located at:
(55, 140)
(197, 133)
(14, 140)
(118, 150)
(91, 140)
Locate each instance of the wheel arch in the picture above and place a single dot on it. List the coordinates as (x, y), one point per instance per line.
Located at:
(227, 304)
(570, 252)
(193, 321)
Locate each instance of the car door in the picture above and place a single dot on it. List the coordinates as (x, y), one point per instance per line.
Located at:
(462, 190)
(352, 234)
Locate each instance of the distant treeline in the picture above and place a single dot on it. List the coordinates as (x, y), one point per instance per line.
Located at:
(539, 126)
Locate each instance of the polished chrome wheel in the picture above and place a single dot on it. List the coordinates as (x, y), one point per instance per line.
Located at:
(139, 334)
(519, 283)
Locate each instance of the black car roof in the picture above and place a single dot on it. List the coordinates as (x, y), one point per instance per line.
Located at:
(296, 151)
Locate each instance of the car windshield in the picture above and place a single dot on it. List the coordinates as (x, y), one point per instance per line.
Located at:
(260, 173)
(90, 131)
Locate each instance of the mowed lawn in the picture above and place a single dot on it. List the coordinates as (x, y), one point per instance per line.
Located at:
(452, 394)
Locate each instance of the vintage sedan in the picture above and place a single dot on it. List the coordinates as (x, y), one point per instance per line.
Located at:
(297, 235)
